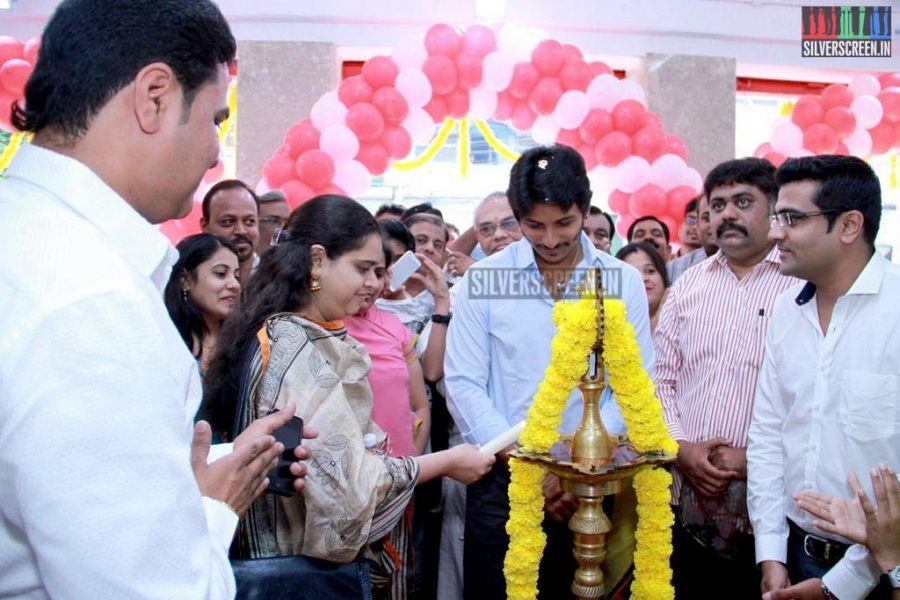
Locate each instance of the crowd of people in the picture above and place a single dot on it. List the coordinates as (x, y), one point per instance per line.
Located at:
(144, 388)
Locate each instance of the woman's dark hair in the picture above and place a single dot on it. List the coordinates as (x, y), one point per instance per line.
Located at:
(282, 279)
(655, 257)
(91, 49)
(548, 175)
(193, 251)
(397, 231)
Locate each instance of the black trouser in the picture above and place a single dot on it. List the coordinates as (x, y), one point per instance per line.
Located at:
(486, 542)
(700, 572)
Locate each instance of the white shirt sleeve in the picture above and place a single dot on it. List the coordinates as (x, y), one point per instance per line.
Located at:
(854, 576)
(96, 474)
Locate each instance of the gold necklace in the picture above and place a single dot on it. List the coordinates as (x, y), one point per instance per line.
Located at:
(558, 288)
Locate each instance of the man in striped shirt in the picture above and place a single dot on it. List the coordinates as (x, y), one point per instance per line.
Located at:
(709, 350)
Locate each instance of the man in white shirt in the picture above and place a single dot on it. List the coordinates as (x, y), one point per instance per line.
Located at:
(102, 492)
(828, 398)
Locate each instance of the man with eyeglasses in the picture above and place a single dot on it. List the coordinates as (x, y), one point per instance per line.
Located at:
(828, 400)
(706, 239)
(231, 209)
(709, 345)
(273, 215)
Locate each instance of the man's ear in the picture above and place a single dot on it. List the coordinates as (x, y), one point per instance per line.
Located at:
(851, 225)
(156, 93)
(203, 223)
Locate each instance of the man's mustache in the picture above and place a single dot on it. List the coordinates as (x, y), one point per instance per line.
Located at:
(731, 226)
(241, 238)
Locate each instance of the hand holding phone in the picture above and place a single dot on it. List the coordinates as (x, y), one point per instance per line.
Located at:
(403, 268)
(281, 480)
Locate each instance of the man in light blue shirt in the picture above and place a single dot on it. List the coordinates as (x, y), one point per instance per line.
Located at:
(498, 348)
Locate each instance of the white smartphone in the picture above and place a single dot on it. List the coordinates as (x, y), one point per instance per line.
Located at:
(405, 266)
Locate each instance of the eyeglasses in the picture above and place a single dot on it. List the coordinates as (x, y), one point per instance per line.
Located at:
(789, 217)
(691, 219)
(273, 220)
(508, 224)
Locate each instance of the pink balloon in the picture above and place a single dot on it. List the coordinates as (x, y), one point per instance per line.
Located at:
(10, 48)
(889, 80)
(414, 86)
(882, 137)
(762, 150)
(787, 139)
(667, 171)
(215, 173)
(397, 142)
(479, 40)
(571, 52)
(328, 110)
(649, 141)
(572, 109)
(380, 71)
(859, 143)
(469, 69)
(443, 40)
(807, 111)
(375, 157)
(441, 73)
(299, 138)
(458, 103)
(548, 56)
(419, 125)
(339, 142)
(604, 91)
(575, 75)
(353, 90)
(6, 100)
(32, 49)
(867, 109)
(482, 103)
(820, 139)
(841, 119)
(296, 192)
(864, 85)
(498, 71)
(613, 148)
(618, 201)
(675, 145)
(545, 95)
(525, 76)
(631, 174)
(14, 75)
(352, 176)
(692, 179)
(365, 121)
(629, 116)
(570, 138)
(544, 130)
(648, 200)
(775, 158)
(391, 104)
(315, 168)
(437, 109)
(624, 223)
(890, 104)
(678, 198)
(279, 169)
(506, 104)
(596, 125)
(523, 117)
(598, 67)
(836, 94)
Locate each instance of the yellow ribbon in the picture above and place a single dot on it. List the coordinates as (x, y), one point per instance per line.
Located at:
(15, 141)
(431, 151)
(493, 142)
(786, 109)
(231, 121)
(892, 178)
(464, 147)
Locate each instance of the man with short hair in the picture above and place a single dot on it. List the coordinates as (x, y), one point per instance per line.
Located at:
(273, 216)
(231, 209)
(103, 493)
(599, 228)
(828, 400)
(709, 344)
(704, 231)
(690, 237)
(392, 212)
(498, 348)
(430, 234)
(653, 231)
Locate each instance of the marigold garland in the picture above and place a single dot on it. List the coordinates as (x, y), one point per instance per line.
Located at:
(576, 332)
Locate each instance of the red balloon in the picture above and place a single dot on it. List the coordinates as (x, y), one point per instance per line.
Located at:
(301, 137)
(575, 75)
(469, 69)
(397, 142)
(836, 94)
(776, 158)
(599, 68)
(548, 56)
(31, 50)
(882, 137)
(762, 150)
(808, 111)
(441, 72)
(479, 40)
(841, 119)
(649, 142)
(523, 117)
(675, 145)
(296, 193)
(889, 80)
(618, 201)
(365, 121)
(457, 103)
(10, 48)
(354, 90)
(315, 168)
(570, 138)
(590, 159)
(819, 138)
(890, 102)
(596, 125)
(624, 223)
(525, 76)
(331, 190)
(14, 75)
(437, 109)
(380, 71)
(442, 40)
(545, 95)
(840, 151)
(629, 116)
(896, 135)
(279, 169)
(391, 104)
(505, 106)
(613, 148)
(678, 197)
(6, 101)
(571, 52)
(375, 157)
(653, 119)
(648, 200)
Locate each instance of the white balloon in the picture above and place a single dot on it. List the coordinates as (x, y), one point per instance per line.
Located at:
(544, 130)
(667, 171)
(631, 174)
(601, 178)
(631, 89)
(787, 139)
(339, 142)
(414, 86)
(864, 85)
(571, 109)
(410, 53)
(482, 103)
(604, 91)
(519, 40)
(327, 111)
(262, 187)
(351, 176)
(859, 143)
(498, 70)
(419, 125)
(692, 179)
(867, 110)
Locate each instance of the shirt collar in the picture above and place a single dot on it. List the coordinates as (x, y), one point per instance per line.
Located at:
(719, 260)
(867, 282)
(78, 188)
(524, 253)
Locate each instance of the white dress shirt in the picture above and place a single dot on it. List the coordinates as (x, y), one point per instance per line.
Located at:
(97, 398)
(498, 345)
(825, 404)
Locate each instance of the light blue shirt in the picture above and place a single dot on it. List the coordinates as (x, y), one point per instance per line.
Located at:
(498, 345)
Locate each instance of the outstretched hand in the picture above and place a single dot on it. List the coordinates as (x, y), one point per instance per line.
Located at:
(836, 515)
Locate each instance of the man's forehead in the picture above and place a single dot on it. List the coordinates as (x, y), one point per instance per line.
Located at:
(725, 192)
(648, 226)
(492, 214)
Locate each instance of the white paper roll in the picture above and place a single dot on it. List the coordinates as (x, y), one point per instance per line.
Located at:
(503, 440)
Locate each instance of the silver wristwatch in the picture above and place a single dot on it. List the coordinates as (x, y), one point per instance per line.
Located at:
(893, 577)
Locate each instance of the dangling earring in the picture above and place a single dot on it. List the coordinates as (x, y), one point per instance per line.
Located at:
(184, 295)
(315, 286)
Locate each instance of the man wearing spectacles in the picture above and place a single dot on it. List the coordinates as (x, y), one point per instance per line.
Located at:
(598, 226)
(828, 400)
(273, 215)
(690, 237)
(231, 209)
(705, 237)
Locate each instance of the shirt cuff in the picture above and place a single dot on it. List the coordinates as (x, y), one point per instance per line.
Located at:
(772, 546)
(482, 434)
(217, 451)
(220, 520)
(854, 576)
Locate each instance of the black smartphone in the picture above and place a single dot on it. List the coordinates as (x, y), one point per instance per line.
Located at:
(281, 480)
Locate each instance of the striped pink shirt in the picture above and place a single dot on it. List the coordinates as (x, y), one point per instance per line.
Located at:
(710, 345)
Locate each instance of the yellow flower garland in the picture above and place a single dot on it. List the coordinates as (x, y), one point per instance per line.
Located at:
(576, 332)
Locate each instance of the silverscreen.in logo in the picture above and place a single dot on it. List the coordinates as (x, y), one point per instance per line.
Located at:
(529, 284)
(851, 31)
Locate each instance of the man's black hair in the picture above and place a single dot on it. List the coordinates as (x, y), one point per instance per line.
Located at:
(549, 175)
(757, 172)
(424, 207)
(225, 184)
(391, 209)
(663, 226)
